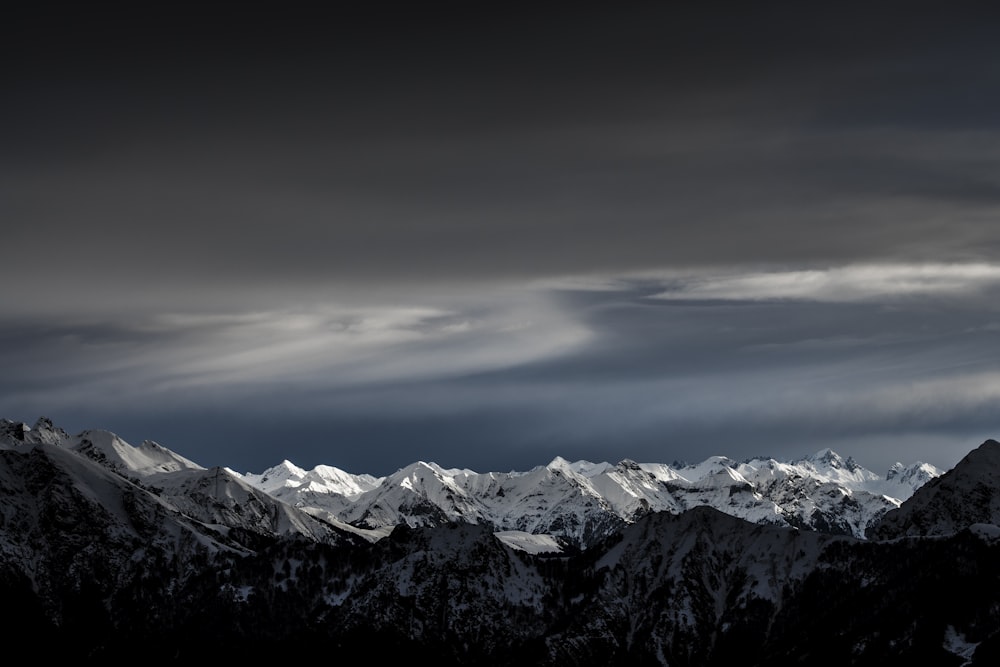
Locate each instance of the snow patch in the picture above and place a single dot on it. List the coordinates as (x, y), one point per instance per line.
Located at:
(956, 644)
(532, 544)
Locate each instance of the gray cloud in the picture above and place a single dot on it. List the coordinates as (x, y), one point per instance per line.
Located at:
(603, 373)
(601, 142)
(637, 231)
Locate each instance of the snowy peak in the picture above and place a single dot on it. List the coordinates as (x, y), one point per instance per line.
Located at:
(285, 474)
(205, 500)
(101, 446)
(422, 477)
(828, 466)
(901, 481)
(16, 433)
(660, 471)
(286, 469)
(219, 497)
(12, 433)
(829, 459)
(559, 463)
(421, 494)
(580, 501)
(582, 468)
(698, 471)
(287, 477)
(334, 480)
(146, 460)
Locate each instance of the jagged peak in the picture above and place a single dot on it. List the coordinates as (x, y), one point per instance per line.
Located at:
(826, 455)
(709, 464)
(284, 471)
(440, 471)
(580, 467)
(43, 423)
(900, 473)
(721, 460)
(99, 436)
(559, 463)
(759, 459)
(417, 470)
(13, 429)
(328, 471)
(628, 464)
(291, 467)
(421, 465)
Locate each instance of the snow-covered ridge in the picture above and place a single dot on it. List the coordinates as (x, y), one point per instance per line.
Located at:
(563, 502)
(105, 447)
(580, 501)
(215, 499)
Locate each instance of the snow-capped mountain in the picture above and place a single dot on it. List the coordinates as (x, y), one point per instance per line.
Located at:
(215, 497)
(286, 478)
(107, 550)
(580, 502)
(565, 502)
(105, 447)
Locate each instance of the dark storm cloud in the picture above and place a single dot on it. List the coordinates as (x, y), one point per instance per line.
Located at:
(490, 236)
(164, 153)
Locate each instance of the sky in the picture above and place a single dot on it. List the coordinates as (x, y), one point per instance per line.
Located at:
(488, 234)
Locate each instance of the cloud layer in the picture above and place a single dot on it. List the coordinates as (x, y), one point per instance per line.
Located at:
(639, 367)
(645, 231)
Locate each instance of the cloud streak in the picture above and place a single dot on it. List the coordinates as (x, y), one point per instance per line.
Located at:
(865, 282)
(600, 366)
(325, 346)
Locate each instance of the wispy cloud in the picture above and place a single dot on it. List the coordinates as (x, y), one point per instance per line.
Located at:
(861, 282)
(323, 346)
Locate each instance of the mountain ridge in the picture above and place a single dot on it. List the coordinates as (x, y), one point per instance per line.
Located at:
(820, 491)
(574, 503)
(100, 563)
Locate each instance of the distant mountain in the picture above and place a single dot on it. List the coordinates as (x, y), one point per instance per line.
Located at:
(581, 502)
(113, 475)
(109, 552)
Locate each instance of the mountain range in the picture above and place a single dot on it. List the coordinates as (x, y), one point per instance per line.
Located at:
(107, 549)
(578, 503)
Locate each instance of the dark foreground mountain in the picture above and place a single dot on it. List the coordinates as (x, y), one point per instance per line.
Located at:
(968, 495)
(109, 552)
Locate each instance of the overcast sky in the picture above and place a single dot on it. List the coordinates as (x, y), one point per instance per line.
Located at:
(485, 237)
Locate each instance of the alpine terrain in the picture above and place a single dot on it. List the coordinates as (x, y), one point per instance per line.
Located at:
(110, 551)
